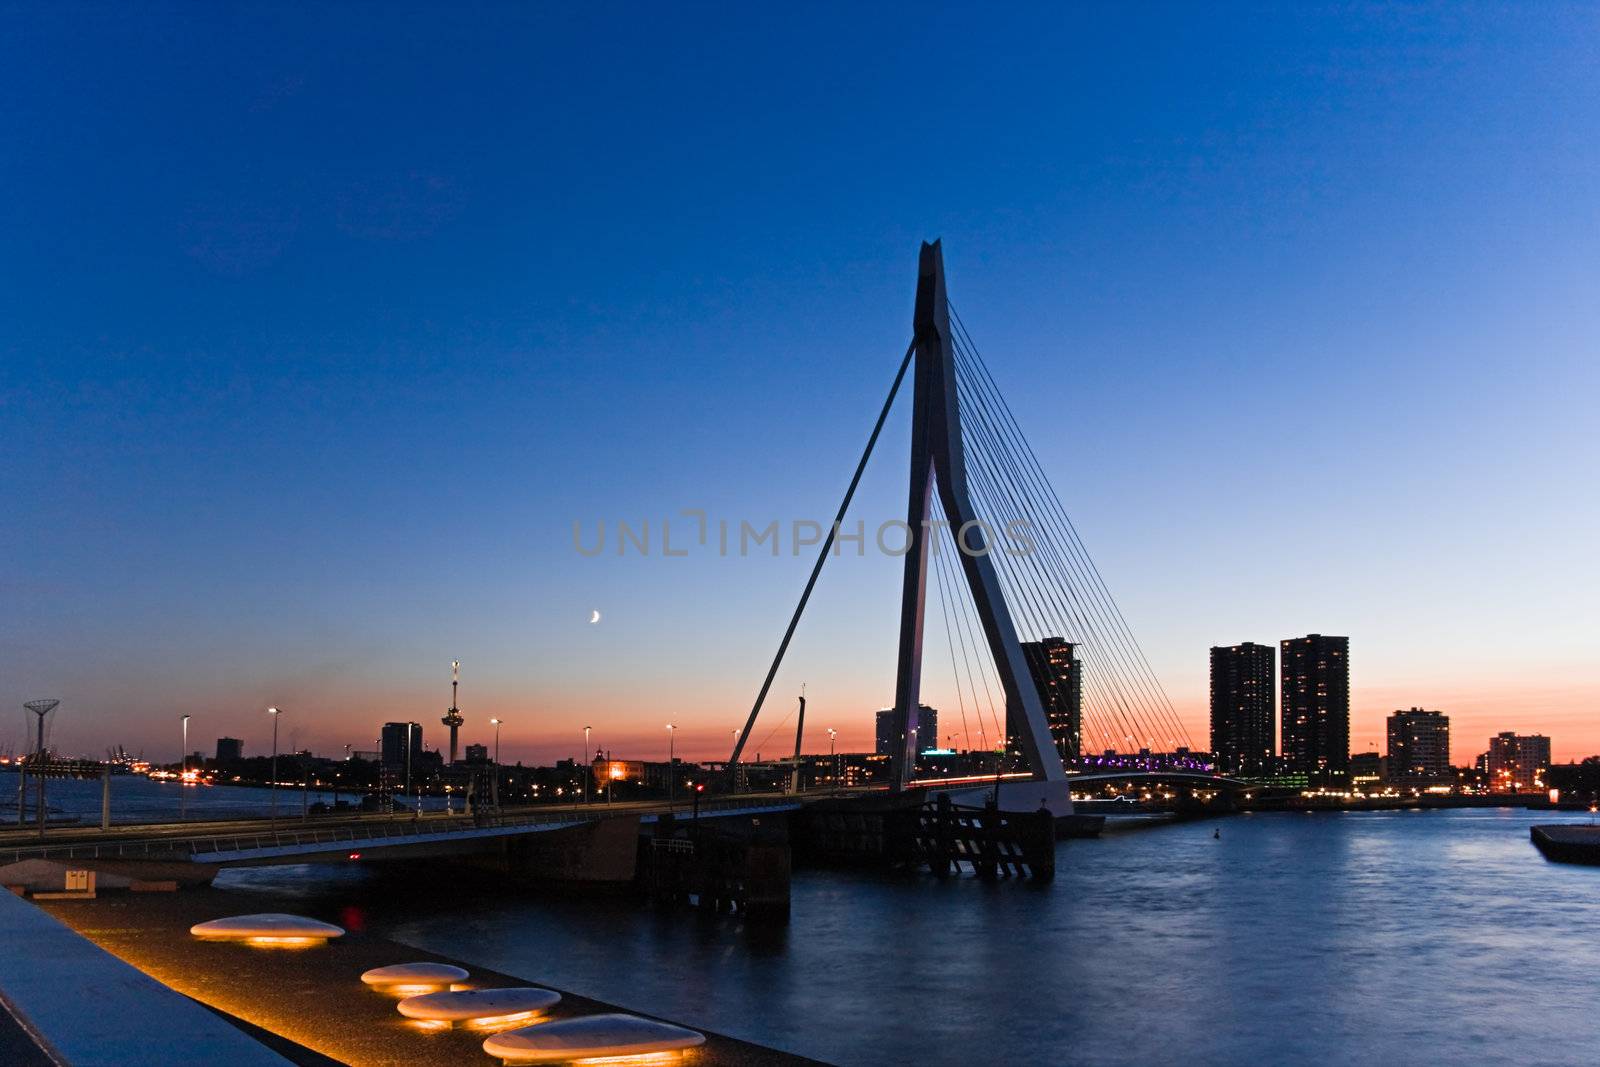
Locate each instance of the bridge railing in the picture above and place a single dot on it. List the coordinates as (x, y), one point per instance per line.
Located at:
(213, 847)
(383, 830)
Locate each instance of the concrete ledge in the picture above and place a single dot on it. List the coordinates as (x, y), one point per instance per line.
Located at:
(89, 1009)
(1568, 843)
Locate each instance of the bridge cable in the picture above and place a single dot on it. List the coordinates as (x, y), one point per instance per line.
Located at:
(1032, 592)
(822, 556)
(1004, 500)
(1125, 644)
(944, 607)
(1116, 643)
(965, 631)
(1005, 485)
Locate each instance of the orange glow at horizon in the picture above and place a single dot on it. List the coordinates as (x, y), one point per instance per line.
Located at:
(542, 725)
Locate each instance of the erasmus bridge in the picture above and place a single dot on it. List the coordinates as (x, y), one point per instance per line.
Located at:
(1009, 566)
(1009, 569)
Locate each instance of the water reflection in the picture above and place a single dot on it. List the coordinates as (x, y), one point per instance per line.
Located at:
(1373, 937)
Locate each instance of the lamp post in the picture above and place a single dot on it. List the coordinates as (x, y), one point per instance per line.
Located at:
(410, 734)
(494, 784)
(274, 712)
(833, 760)
(672, 771)
(183, 772)
(587, 767)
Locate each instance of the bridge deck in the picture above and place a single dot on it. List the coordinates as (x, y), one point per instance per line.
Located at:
(256, 841)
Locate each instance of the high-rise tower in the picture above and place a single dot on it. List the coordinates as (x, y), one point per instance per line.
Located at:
(1314, 703)
(1242, 680)
(452, 718)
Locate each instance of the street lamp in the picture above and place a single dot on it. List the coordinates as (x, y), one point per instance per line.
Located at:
(832, 759)
(494, 784)
(183, 772)
(410, 739)
(587, 768)
(672, 770)
(274, 712)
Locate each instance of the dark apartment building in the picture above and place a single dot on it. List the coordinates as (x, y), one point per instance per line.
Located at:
(1314, 706)
(1058, 677)
(1419, 747)
(1243, 680)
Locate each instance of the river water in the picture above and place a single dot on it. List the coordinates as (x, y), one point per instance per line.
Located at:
(1367, 938)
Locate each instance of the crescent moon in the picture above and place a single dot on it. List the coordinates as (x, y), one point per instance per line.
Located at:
(594, 617)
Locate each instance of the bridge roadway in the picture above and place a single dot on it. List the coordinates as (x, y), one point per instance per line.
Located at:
(252, 841)
(237, 842)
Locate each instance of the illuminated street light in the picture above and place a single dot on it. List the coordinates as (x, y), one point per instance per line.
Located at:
(494, 784)
(183, 772)
(833, 761)
(274, 712)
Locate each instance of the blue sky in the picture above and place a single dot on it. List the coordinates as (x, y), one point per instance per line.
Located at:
(319, 330)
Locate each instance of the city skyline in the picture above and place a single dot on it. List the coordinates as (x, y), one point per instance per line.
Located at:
(733, 535)
(641, 745)
(341, 362)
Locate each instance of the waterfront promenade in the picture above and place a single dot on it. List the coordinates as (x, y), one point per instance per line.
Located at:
(71, 1002)
(313, 997)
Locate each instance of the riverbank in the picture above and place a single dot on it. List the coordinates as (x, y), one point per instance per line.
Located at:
(313, 998)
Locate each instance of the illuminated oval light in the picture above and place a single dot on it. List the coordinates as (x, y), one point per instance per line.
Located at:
(612, 1038)
(479, 1007)
(270, 929)
(413, 979)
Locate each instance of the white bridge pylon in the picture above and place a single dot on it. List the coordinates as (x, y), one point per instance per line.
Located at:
(938, 460)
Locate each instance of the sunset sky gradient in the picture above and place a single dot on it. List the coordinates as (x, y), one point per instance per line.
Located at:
(319, 329)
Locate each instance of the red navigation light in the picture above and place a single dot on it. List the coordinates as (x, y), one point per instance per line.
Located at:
(700, 788)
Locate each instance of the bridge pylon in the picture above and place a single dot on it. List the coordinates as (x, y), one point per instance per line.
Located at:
(938, 461)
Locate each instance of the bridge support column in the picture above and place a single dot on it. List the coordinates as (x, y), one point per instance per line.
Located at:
(938, 459)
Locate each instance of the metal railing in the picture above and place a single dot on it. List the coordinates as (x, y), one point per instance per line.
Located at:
(380, 829)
